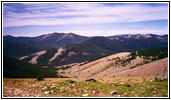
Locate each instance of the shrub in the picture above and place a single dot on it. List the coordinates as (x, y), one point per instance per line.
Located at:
(67, 82)
(133, 67)
(70, 81)
(40, 77)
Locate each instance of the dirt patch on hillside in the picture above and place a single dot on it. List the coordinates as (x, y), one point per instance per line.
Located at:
(21, 58)
(36, 56)
(59, 52)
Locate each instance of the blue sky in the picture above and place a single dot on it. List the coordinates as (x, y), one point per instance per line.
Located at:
(87, 19)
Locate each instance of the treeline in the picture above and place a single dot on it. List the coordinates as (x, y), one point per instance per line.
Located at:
(13, 68)
(156, 53)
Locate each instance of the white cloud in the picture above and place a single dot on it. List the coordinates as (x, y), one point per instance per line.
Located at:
(96, 32)
(92, 13)
(159, 32)
(114, 32)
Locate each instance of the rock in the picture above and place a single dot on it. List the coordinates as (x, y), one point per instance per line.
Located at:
(163, 73)
(44, 88)
(121, 83)
(113, 92)
(85, 95)
(118, 95)
(154, 79)
(53, 87)
(78, 84)
(90, 80)
(154, 92)
(47, 92)
(53, 84)
(52, 91)
(143, 92)
(95, 92)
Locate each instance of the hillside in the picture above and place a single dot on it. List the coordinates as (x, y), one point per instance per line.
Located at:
(68, 54)
(139, 41)
(97, 47)
(14, 68)
(129, 42)
(153, 68)
(29, 45)
(13, 49)
(121, 64)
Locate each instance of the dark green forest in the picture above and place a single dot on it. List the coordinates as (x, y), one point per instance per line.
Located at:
(156, 53)
(14, 68)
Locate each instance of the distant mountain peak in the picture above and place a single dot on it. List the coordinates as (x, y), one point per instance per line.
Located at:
(70, 35)
(8, 36)
(54, 33)
(137, 36)
(146, 35)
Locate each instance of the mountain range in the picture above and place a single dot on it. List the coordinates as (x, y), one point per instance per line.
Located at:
(21, 46)
(59, 48)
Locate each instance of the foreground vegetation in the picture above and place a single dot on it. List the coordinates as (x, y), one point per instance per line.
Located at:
(102, 87)
(96, 89)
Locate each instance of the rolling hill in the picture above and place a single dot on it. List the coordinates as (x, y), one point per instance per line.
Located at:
(68, 54)
(137, 63)
(96, 47)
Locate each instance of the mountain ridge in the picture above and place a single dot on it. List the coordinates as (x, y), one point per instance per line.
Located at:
(97, 47)
(86, 36)
(42, 42)
(88, 48)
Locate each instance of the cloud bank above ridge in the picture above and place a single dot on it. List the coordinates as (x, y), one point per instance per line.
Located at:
(88, 15)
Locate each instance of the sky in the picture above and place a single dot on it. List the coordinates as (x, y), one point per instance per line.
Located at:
(86, 19)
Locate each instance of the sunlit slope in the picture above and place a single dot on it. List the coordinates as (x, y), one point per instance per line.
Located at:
(138, 63)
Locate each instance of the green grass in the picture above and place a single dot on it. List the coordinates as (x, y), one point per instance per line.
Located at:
(144, 89)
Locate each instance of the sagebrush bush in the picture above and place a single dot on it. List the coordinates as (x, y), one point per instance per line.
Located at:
(40, 77)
